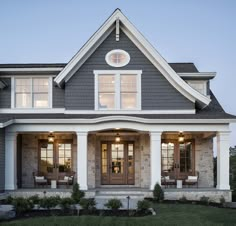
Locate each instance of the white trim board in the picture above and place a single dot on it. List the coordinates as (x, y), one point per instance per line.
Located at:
(38, 69)
(111, 122)
(92, 112)
(148, 50)
(198, 75)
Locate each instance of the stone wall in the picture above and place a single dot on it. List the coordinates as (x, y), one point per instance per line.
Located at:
(204, 161)
(145, 161)
(30, 155)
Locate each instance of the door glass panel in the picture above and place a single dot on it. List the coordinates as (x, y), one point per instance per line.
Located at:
(167, 156)
(117, 161)
(46, 158)
(130, 158)
(186, 157)
(64, 157)
(104, 158)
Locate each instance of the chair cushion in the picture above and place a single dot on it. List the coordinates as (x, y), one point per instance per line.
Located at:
(192, 177)
(66, 178)
(190, 181)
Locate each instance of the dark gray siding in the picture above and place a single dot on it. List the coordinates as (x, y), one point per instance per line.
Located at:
(2, 159)
(5, 94)
(58, 97)
(157, 93)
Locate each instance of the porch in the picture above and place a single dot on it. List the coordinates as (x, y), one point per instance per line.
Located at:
(137, 161)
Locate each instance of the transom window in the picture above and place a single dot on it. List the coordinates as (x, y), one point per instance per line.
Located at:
(31, 93)
(117, 90)
(117, 58)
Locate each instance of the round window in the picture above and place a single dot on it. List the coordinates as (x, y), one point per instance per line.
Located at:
(117, 58)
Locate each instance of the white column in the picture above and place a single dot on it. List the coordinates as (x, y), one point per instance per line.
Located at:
(10, 161)
(223, 160)
(82, 174)
(155, 158)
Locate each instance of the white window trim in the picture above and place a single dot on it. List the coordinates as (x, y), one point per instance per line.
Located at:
(117, 51)
(50, 91)
(204, 82)
(117, 74)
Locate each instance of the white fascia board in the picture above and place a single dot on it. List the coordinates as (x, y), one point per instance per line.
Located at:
(32, 110)
(122, 119)
(201, 75)
(39, 69)
(146, 48)
(92, 112)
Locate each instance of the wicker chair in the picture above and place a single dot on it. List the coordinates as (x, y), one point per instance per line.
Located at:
(67, 180)
(168, 180)
(192, 180)
(39, 179)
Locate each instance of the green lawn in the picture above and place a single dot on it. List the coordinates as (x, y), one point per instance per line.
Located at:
(167, 214)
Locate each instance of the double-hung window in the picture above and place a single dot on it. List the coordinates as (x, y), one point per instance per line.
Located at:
(32, 92)
(117, 90)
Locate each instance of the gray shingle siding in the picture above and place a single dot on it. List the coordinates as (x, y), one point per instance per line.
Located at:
(157, 93)
(5, 94)
(58, 97)
(2, 159)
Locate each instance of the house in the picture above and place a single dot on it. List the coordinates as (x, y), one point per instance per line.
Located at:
(118, 114)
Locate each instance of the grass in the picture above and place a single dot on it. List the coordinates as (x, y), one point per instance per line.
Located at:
(167, 214)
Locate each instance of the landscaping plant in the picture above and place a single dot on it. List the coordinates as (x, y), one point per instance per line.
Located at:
(113, 204)
(158, 193)
(88, 204)
(77, 194)
(143, 206)
(49, 202)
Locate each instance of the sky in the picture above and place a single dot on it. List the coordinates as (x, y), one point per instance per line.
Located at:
(52, 31)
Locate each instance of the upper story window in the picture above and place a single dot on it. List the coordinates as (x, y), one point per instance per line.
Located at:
(117, 58)
(117, 90)
(32, 92)
(200, 86)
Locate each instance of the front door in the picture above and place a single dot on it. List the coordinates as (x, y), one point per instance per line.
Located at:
(177, 159)
(55, 159)
(117, 163)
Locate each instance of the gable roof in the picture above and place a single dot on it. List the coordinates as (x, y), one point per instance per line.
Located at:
(146, 48)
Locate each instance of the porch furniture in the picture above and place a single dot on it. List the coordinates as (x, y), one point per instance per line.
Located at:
(167, 181)
(67, 180)
(39, 179)
(179, 183)
(53, 184)
(192, 180)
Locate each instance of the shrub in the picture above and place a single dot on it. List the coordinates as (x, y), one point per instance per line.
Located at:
(158, 193)
(77, 194)
(204, 200)
(183, 199)
(88, 204)
(9, 200)
(49, 202)
(34, 199)
(143, 206)
(113, 204)
(65, 203)
(21, 205)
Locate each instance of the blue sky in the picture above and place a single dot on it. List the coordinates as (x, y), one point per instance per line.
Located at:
(203, 32)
